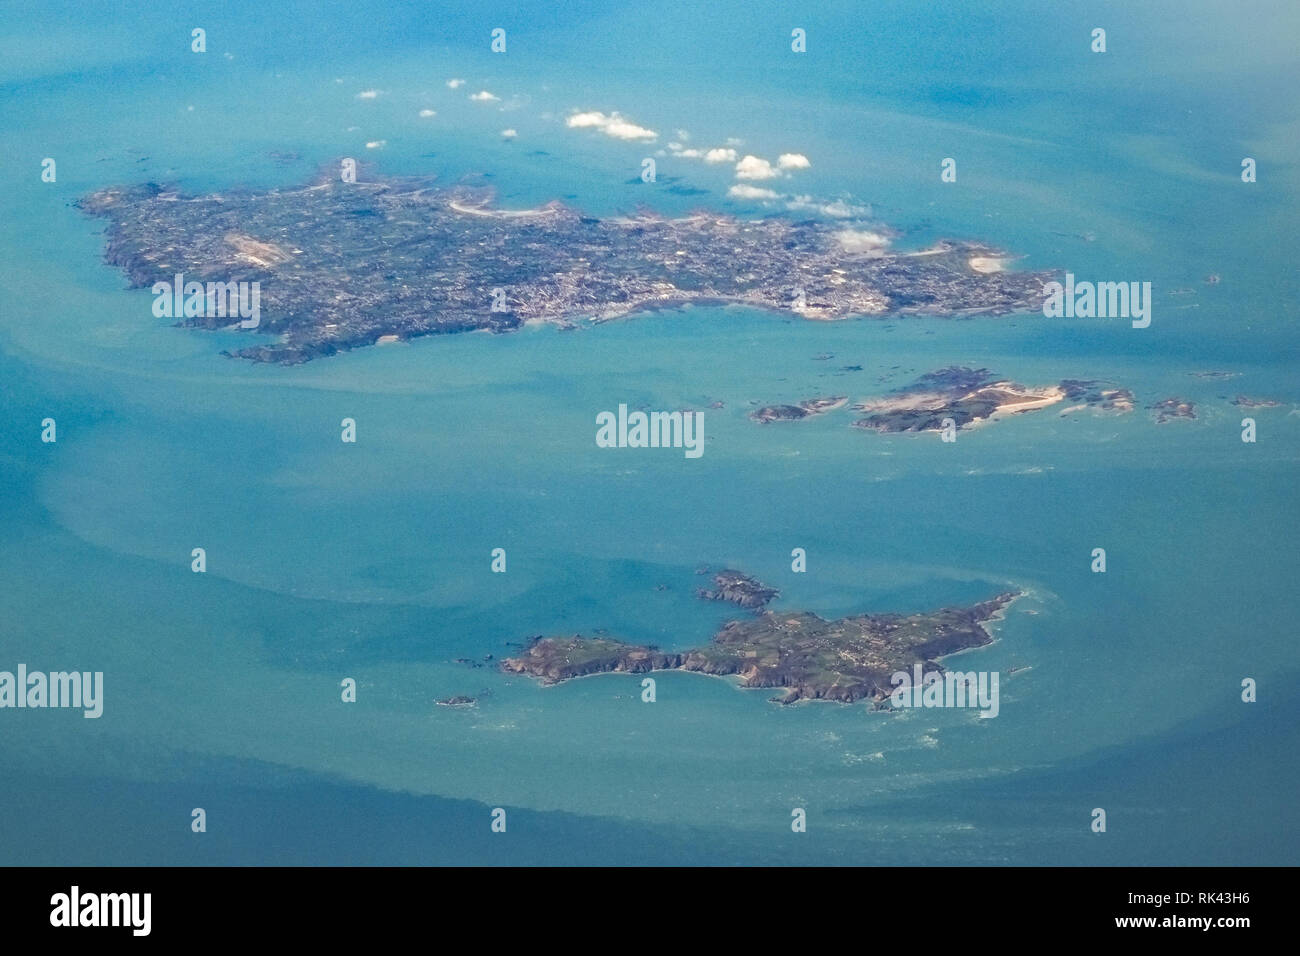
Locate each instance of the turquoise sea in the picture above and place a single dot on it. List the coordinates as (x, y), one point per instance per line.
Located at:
(371, 561)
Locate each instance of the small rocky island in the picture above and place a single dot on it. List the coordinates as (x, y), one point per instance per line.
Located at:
(792, 413)
(739, 589)
(1086, 393)
(1172, 409)
(1245, 401)
(343, 265)
(810, 658)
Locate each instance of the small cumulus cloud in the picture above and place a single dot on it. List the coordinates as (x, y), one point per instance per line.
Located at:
(483, 96)
(752, 167)
(865, 243)
(377, 144)
(742, 191)
(509, 134)
(611, 124)
(716, 155)
(793, 161)
(455, 83)
(837, 208)
(585, 120)
(369, 94)
(425, 114)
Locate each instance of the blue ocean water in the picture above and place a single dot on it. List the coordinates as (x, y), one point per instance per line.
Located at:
(327, 560)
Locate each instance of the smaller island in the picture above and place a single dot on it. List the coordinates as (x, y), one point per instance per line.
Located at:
(1095, 395)
(460, 700)
(792, 413)
(809, 657)
(964, 396)
(1172, 409)
(1242, 401)
(969, 396)
(739, 589)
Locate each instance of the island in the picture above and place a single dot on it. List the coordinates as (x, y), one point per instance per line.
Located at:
(968, 396)
(807, 656)
(792, 413)
(1172, 409)
(738, 588)
(1085, 393)
(342, 265)
(1244, 401)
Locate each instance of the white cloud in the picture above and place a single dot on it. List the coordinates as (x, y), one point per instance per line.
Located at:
(741, 191)
(377, 144)
(622, 129)
(509, 133)
(368, 95)
(455, 84)
(837, 208)
(868, 243)
(483, 96)
(793, 161)
(751, 167)
(611, 124)
(585, 120)
(715, 155)
(427, 113)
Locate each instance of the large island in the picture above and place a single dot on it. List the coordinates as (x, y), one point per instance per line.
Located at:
(809, 657)
(342, 265)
